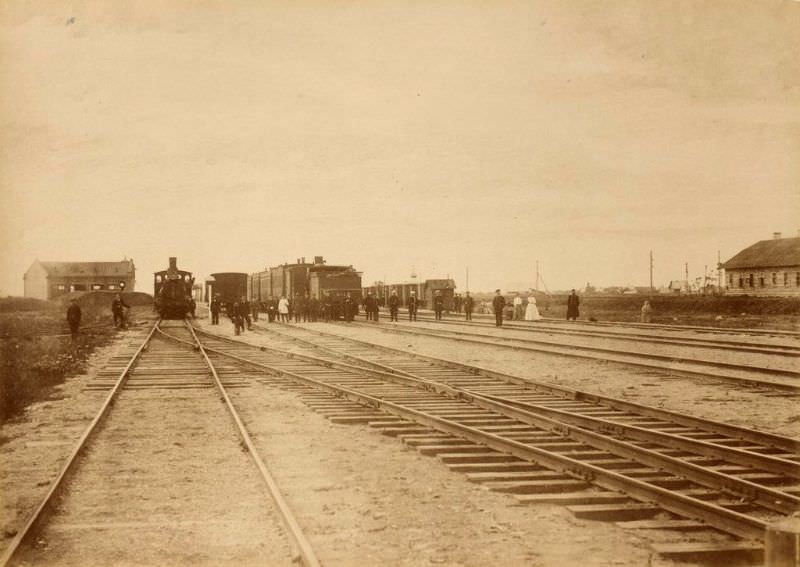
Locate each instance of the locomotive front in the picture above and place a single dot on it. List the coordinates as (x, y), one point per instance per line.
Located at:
(173, 291)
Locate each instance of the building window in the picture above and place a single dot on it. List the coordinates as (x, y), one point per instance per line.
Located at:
(751, 280)
(112, 286)
(785, 279)
(61, 287)
(774, 278)
(97, 286)
(797, 279)
(730, 280)
(760, 281)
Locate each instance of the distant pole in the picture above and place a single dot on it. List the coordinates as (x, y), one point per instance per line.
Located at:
(686, 275)
(651, 271)
(719, 274)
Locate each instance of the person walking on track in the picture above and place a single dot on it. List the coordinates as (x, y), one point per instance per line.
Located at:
(118, 307)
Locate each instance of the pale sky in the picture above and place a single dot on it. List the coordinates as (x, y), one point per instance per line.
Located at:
(399, 135)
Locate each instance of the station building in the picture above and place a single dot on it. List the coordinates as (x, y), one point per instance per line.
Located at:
(49, 280)
(768, 267)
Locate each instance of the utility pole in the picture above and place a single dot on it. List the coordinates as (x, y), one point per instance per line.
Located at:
(719, 274)
(686, 275)
(651, 271)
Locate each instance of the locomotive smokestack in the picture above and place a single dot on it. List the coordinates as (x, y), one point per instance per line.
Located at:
(173, 263)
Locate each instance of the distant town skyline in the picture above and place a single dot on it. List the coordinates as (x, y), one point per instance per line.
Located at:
(399, 136)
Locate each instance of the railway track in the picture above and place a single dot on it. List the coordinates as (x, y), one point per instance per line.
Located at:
(146, 483)
(604, 458)
(699, 329)
(781, 376)
(774, 349)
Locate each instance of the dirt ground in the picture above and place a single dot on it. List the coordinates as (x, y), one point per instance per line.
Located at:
(366, 499)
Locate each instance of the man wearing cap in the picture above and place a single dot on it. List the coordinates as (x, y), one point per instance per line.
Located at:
(572, 306)
(469, 304)
(394, 304)
(214, 307)
(438, 304)
(412, 306)
(498, 304)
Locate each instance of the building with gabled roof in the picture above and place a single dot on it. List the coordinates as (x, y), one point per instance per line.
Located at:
(49, 280)
(768, 267)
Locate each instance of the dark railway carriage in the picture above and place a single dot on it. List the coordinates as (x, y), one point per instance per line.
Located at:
(229, 286)
(172, 291)
(317, 279)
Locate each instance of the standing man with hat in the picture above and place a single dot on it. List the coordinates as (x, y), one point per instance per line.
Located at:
(412, 306)
(498, 304)
(394, 304)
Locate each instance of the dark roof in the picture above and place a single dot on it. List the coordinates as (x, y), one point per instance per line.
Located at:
(775, 253)
(123, 268)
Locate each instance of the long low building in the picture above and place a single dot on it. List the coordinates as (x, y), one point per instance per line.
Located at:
(49, 280)
(768, 267)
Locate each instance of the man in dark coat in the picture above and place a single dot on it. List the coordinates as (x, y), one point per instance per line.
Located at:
(498, 304)
(438, 304)
(371, 307)
(572, 306)
(74, 318)
(394, 305)
(214, 308)
(349, 308)
(118, 307)
(469, 305)
(412, 306)
(272, 309)
(244, 313)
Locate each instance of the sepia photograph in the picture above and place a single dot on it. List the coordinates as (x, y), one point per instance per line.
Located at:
(400, 283)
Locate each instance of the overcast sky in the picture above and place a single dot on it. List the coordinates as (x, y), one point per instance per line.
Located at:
(399, 135)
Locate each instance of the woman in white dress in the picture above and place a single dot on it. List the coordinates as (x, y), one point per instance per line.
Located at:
(283, 309)
(531, 312)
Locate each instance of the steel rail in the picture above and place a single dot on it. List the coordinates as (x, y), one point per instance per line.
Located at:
(91, 429)
(561, 422)
(303, 549)
(732, 454)
(661, 326)
(571, 351)
(715, 344)
(714, 515)
(733, 431)
(499, 341)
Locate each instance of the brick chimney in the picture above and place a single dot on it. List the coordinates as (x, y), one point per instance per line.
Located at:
(776, 235)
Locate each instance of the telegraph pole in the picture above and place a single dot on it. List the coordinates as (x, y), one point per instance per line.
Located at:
(686, 275)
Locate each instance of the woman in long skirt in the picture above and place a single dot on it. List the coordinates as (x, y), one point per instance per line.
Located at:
(532, 312)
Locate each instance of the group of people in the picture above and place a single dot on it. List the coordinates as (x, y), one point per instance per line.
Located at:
(119, 312)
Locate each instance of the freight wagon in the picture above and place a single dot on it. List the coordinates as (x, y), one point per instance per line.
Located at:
(230, 287)
(316, 279)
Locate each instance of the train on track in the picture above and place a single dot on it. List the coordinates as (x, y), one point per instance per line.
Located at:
(423, 290)
(315, 279)
(172, 291)
(227, 287)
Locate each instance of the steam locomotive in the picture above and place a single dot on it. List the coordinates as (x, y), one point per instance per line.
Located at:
(172, 290)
